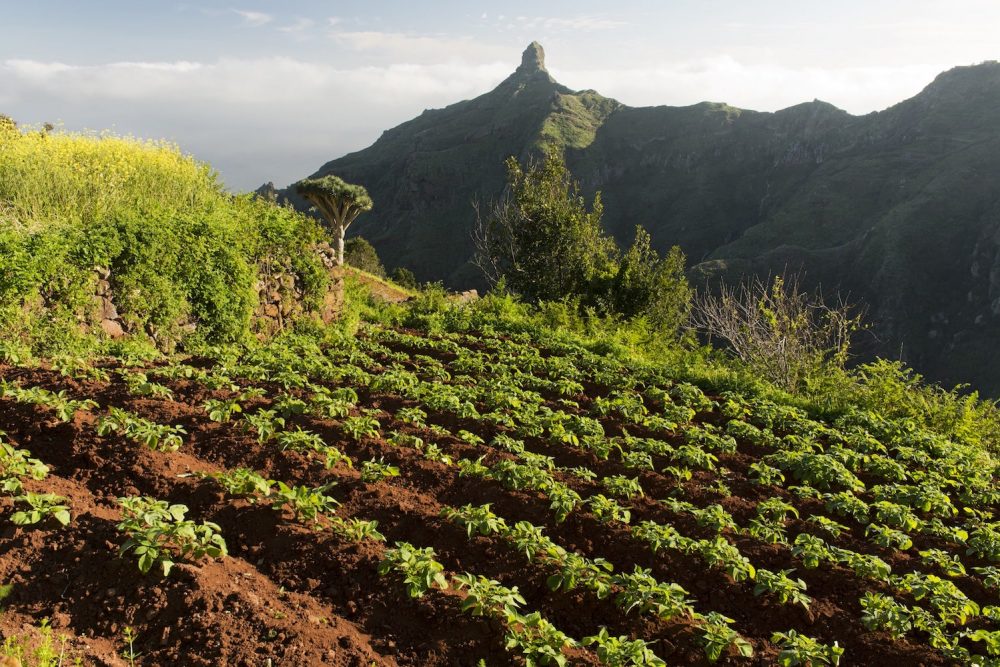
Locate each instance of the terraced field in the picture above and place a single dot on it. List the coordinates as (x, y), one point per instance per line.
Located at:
(399, 498)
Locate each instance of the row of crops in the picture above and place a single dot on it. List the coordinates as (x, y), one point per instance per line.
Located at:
(717, 525)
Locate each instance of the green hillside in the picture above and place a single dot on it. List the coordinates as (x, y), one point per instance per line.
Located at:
(430, 481)
(105, 235)
(896, 208)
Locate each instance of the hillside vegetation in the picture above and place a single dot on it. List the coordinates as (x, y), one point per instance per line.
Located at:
(428, 482)
(896, 208)
(467, 484)
(184, 256)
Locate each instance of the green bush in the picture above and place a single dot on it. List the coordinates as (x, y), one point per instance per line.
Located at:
(180, 250)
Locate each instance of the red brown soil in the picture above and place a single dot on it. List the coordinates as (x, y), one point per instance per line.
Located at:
(288, 595)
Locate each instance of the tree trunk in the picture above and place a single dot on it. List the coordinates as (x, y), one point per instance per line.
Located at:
(338, 244)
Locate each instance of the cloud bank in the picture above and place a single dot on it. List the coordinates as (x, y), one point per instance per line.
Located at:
(280, 118)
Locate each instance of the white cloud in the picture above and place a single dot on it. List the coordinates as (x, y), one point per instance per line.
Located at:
(571, 24)
(252, 18)
(255, 120)
(403, 47)
(281, 118)
(762, 87)
(299, 26)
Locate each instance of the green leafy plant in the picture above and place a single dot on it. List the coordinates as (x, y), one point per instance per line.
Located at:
(486, 597)
(798, 649)
(785, 589)
(306, 504)
(374, 471)
(716, 637)
(607, 509)
(361, 427)
(642, 593)
(538, 641)
(244, 482)
(158, 533)
(621, 651)
(419, 569)
(222, 410)
(356, 530)
(41, 506)
(622, 486)
(476, 520)
(881, 612)
(17, 465)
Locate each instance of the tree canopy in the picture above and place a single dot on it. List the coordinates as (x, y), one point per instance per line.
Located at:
(545, 243)
(338, 201)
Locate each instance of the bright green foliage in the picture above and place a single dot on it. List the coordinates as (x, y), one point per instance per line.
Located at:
(374, 471)
(607, 509)
(63, 407)
(17, 465)
(622, 486)
(544, 241)
(545, 245)
(266, 423)
(811, 549)
(356, 530)
(40, 507)
(621, 651)
(641, 592)
(476, 520)
(304, 502)
(158, 437)
(944, 597)
(139, 384)
(419, 569)
(485, 597)
(785, 589)
(881, 612)
(244, 482)
(798, 649)
(179, 248)
(576, 570)
(716, 636)
(158, 533)
(45, 650)
(222, 410)
(361, 427)
(539, 642)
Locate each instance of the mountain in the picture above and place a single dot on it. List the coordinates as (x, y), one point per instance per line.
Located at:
(898, 208)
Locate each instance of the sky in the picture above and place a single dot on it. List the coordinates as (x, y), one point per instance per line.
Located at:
(271, 90)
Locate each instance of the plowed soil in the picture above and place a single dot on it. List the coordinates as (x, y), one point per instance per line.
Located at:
(290, 595)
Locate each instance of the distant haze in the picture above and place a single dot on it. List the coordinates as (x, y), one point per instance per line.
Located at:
(268, 91)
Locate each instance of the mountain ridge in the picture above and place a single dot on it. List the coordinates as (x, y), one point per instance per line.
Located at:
(894, 207)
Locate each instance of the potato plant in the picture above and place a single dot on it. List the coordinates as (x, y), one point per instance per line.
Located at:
(40, 506)
(158, 533)
(417, 566)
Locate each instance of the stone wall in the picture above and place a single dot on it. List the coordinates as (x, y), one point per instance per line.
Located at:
(279, 291)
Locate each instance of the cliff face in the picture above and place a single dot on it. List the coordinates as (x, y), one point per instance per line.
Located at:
(898, 208)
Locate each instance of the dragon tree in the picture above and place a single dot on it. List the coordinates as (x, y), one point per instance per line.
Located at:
(339, 202)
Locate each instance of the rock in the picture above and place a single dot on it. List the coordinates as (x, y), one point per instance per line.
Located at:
(102, 272)
(108, 310)
(112, 328)
(533, 59)
(103, 288)
(466, 296)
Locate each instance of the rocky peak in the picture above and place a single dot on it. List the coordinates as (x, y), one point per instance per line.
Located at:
(533, 59)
